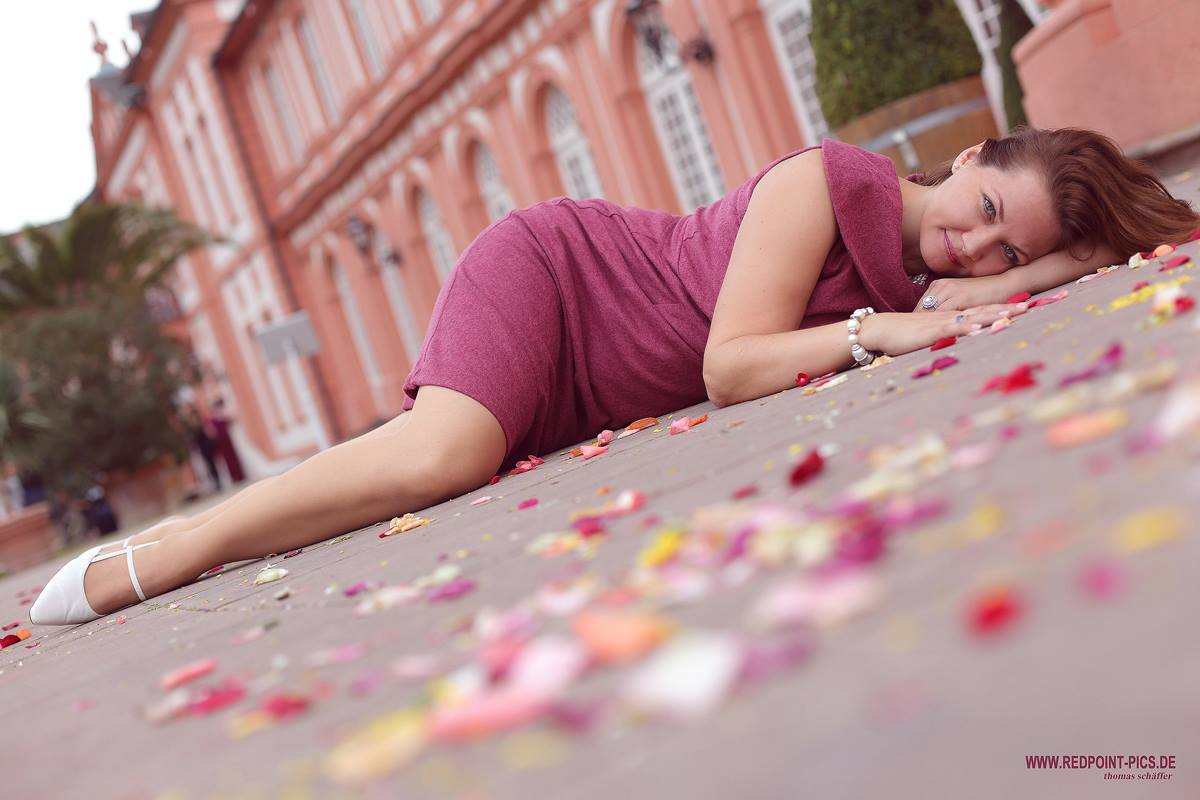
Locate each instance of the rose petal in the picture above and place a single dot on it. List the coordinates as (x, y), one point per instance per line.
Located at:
(452, 589)
(811, 466)
(619, 637)
(688, 678)
(943, 343)
(994, 611)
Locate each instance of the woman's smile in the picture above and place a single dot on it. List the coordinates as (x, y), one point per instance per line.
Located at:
(950, 254)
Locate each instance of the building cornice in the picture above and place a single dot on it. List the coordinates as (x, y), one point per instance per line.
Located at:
(440, 72)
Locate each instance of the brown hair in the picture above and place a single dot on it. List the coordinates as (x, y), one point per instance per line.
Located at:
(1102, 196)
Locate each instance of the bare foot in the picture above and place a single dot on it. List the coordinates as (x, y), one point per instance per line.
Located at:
(107, 584)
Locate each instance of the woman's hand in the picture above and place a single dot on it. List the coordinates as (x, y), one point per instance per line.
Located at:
(898, 333)
(957, 294)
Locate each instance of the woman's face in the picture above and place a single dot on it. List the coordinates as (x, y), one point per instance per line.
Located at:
(984, 220)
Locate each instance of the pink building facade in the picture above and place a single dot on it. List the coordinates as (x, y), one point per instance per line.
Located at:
(347, 150)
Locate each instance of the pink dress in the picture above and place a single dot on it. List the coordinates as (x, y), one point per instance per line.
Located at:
(572, 316)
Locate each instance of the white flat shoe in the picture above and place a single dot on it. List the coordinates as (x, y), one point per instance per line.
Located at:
(63, 602)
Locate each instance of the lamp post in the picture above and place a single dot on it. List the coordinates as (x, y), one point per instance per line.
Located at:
(360, 235)
(642, 13)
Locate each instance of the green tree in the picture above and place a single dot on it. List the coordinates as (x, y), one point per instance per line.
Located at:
(20, 422)
(872, 52)
(98, 251)
(94, 365)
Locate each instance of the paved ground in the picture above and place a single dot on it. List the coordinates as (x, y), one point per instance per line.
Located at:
(1016, 579)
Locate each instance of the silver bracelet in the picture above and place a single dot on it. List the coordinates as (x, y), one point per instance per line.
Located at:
(861, 356)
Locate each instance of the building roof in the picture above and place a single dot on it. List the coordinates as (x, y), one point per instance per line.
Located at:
(110, 80)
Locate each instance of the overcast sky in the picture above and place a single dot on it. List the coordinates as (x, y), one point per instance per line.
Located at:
(46, 58)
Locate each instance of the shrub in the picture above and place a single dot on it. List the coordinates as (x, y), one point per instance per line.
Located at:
(872, 52)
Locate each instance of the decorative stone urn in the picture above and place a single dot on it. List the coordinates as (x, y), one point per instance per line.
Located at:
(1125, 68)
(926, 129)
(27, 538)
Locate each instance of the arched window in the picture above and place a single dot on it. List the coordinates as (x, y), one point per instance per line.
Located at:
(354, 321)
(570, 146)
(437, 240)
(676, 114)
(389, 261)
(496, 197)
(790, 23)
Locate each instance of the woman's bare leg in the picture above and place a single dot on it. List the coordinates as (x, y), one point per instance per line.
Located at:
(180, 524)
(449, 445)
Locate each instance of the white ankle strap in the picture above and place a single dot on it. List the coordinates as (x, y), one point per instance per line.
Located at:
(128, 552)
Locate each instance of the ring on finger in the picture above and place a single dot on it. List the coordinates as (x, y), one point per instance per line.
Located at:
(959, 318)
(929, 302)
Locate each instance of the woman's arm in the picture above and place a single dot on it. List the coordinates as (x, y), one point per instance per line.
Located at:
(754, 348)
(1041, 274)
(777, 257)
(757, 365)
(1057, 268)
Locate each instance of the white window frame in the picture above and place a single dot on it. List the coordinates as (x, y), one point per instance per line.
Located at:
(572, 153)
(798, 67)
(283, 110)
(365, 34)
(397, 295)
(316, 65)
(682, 135)
(358, 331)
(497, 200)
(430, 10)
(437, 240)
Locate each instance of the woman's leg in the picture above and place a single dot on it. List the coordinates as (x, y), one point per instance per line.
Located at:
(448, 445)
(174, 525)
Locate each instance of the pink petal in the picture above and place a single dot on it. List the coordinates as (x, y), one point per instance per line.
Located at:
(453, 589)
(188, 673)
(485, 714)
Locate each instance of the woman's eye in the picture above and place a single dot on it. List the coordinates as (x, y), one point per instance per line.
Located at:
(1010, 253)
(988, 207)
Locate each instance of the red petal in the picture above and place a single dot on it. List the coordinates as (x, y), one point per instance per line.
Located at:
(802, 379)
(587, 527)
(282, 706)
(1183, 304)
(807, 469)
(1020, 378)
(745, 491)
(1140, 285)
(1019, 297)
(942, 344)
(994, 611)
